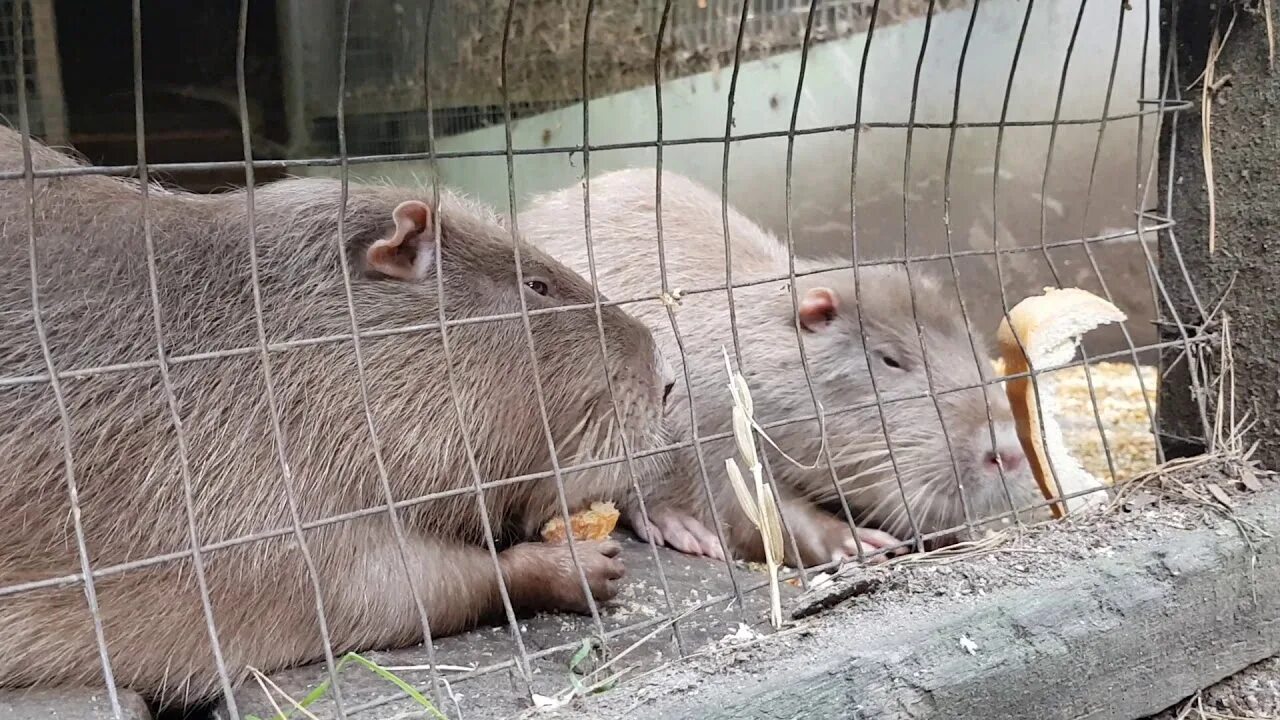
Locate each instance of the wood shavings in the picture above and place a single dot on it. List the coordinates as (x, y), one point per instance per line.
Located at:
(1249, 479)
(1219, 494)
(852, 579)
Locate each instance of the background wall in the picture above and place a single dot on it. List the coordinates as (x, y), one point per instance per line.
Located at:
(1094, 176)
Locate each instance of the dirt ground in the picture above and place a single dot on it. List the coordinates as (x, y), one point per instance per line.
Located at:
(1253, 693)
(723, 641)
(915, 589)
(716, 636)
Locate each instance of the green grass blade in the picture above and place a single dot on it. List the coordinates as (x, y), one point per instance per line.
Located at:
(373, 667)
(390, 677)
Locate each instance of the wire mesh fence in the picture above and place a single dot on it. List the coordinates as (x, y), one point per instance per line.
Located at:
(386, 80)
(10, 83)
(309, 490)
(39, 68)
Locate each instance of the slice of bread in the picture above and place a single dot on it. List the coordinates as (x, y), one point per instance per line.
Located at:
(1042, 332)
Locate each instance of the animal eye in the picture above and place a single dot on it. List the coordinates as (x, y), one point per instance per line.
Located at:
(891, 362)
(537, 286)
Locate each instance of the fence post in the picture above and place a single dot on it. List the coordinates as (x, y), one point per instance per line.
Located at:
(1244, 139)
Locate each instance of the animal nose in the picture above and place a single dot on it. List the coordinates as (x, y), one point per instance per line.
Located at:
(666, 390)
(1010, 460)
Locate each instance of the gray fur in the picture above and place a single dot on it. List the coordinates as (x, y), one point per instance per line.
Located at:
(623, 234)
(97, 311)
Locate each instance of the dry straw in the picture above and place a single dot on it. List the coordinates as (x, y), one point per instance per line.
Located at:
(759, 506)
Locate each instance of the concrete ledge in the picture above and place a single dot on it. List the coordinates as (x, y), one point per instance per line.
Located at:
(69, 704)
(1128, 631)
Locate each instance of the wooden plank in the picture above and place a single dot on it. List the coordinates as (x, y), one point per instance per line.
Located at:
(1117, 636)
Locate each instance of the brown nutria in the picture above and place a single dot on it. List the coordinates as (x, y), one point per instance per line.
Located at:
(624, 237)
(128, 464)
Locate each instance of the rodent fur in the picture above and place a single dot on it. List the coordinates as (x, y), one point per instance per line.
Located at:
(624, 239)
(97, 311)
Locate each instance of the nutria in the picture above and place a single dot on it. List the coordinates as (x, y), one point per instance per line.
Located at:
(624, 238)
(128, 465)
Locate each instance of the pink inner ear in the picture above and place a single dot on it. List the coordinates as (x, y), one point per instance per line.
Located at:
(817, 308)
(411, 218)
(401, 255)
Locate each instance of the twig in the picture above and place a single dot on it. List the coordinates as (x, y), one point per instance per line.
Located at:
(648, 636)
(422, 668)
(1222, 299)
(716, 648)
(270, 698)
(564, 696)
(257, 674)
(1268, 13)
(454, 698)
(1213, 56)
(1191, 704)
(822, 447)
(851, 580)
(957, 552)
(1206, 141)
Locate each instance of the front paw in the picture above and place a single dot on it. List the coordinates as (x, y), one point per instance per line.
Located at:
(677, 529)
(543, 576)
(823, 538)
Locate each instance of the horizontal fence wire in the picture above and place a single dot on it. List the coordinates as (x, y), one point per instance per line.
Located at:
(750, 17)
(1206, 339)
(70, 480)
(287, 345)
(178, 168)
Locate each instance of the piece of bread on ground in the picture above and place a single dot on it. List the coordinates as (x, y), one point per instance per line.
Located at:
(594, 523)
(1041, 332)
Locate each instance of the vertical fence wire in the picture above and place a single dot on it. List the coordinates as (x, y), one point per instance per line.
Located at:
(1044, 189)
(728, 282)
(825, 448)
(264, 358)
(166, 381)
(362, 380)
(55, 385)
(528, 333)
(1139, 205)
(1169, 101)
(664, 279)
(917, 536)
(906, 265)
(1173, 84)
(521, 661)
(1146, 187)
(1005, 305)
(595, 299)
(951, 250)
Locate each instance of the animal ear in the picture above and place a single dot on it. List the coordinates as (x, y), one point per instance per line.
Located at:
(818, 308)
(409, 252)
